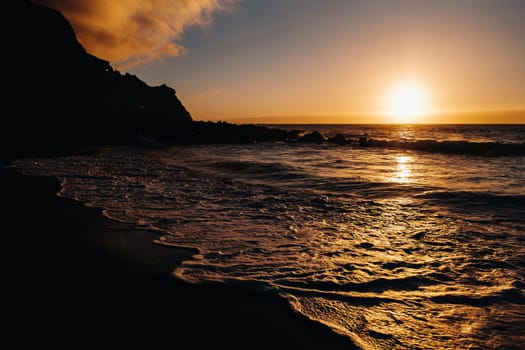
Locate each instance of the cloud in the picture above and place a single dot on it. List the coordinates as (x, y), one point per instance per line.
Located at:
(131, 32)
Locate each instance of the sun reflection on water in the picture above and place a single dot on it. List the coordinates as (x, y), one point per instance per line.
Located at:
(403, 169)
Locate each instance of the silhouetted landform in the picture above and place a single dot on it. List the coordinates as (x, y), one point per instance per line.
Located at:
(61, 98)
(223, 132)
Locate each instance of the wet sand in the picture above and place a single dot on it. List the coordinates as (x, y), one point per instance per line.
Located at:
(72, 276)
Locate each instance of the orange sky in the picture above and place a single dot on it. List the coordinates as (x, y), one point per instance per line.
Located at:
(316, 61)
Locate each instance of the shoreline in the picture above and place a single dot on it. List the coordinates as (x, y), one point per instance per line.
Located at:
(72, 273)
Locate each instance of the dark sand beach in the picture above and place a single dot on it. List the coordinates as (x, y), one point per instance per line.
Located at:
(72, 276)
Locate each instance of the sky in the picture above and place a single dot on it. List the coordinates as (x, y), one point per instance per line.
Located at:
(349, 61)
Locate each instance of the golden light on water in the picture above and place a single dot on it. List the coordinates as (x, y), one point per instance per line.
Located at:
(407, 102)
(403, 170)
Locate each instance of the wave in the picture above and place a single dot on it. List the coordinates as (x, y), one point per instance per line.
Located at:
(513, 295)
(449, 147)
(379, 285)
(472, 198)
(249, 166)
(256, 170)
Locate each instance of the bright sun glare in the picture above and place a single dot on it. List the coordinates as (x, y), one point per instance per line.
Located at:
(407, 102)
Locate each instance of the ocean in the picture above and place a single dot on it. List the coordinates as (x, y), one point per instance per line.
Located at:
(412, 241)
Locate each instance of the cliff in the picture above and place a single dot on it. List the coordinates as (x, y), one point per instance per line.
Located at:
(59, 97)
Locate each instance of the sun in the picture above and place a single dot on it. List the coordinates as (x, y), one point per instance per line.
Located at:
(407, 102)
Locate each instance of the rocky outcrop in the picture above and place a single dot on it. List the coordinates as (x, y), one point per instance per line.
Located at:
(58, 96)
(223, 132)
(312, 137)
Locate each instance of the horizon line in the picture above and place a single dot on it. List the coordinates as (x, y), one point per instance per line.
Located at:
(470, 116)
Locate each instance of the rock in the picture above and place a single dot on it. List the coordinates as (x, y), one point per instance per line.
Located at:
(313, 137)
(338, 140)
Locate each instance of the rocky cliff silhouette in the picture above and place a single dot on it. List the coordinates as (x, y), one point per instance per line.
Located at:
(60, 97)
